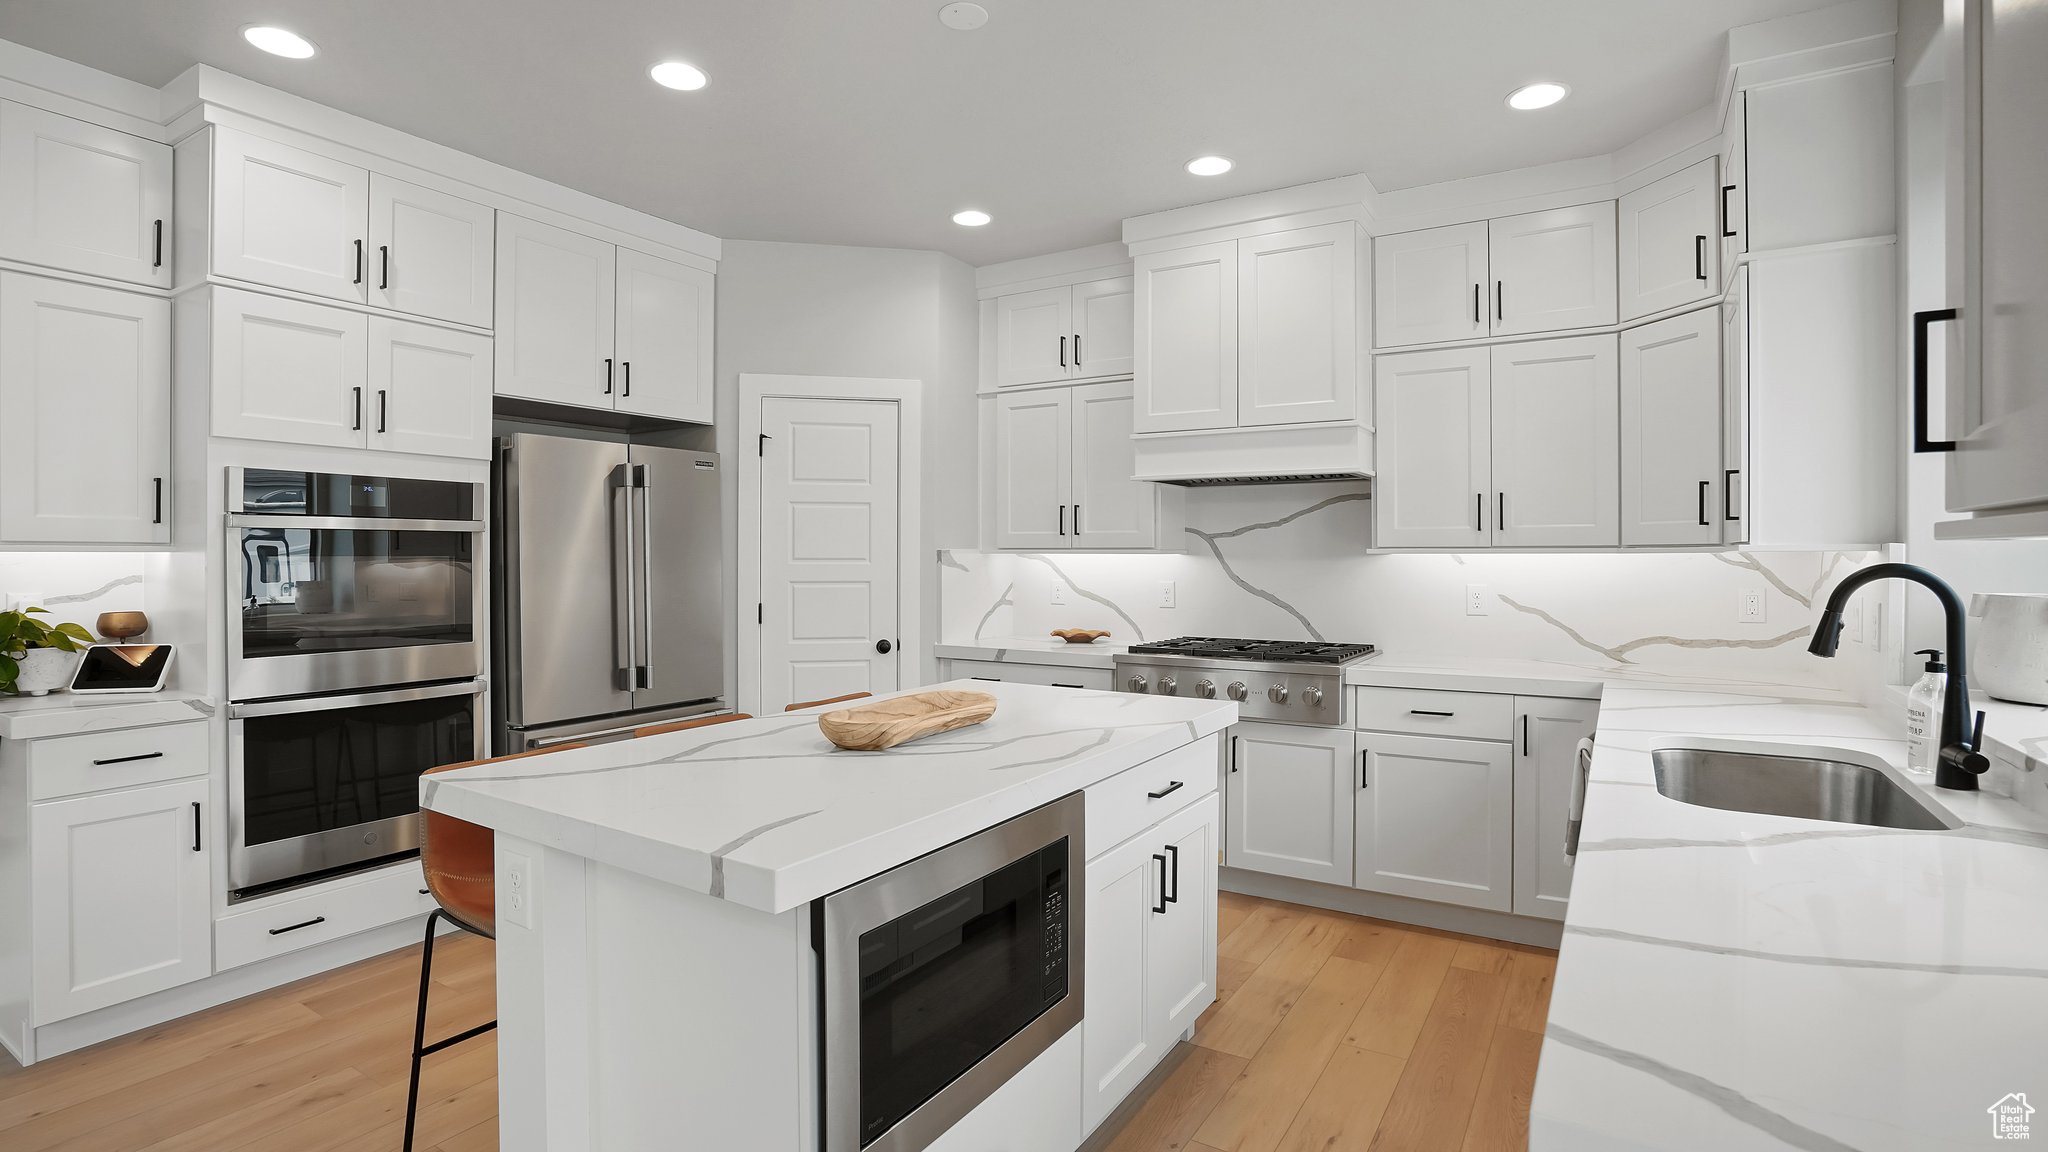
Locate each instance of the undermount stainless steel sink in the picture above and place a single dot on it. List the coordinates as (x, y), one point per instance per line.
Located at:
(1794, 782)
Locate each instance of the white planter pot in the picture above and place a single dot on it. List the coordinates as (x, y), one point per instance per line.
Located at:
(44, 669)
(2009, 646)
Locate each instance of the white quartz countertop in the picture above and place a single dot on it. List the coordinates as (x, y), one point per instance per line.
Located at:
(1033, 650)
(68, 714)
(767, 813)
(1732, 980)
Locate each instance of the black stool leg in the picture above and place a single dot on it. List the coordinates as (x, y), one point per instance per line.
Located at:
(419, 1029)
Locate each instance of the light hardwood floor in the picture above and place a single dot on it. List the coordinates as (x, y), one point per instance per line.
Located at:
(1331, 1032)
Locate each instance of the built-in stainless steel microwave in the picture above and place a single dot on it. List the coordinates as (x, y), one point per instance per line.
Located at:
(944, 977)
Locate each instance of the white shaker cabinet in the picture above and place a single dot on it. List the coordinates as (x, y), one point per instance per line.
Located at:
(1733, 193)
(289, 218)
(1435, 449)
(1669, 242)
(662, 338)
(1673, 488)
(1034, 469)
(1547, 735)
(555, 301)
(1062, 473)
(1034, 331)
(1187, 338)
(1288, 795)
(1553, 444)
(1435, 819)
(1104, 328)
(428, 390)
(1111, 510)
(287, 370)
(1552, 270)
(83, 198)
(1430, 286)
(85, 392)
(1298, 326)
(1735, 409)
(429, 253)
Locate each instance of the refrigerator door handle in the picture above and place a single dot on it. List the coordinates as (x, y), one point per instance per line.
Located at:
(643, 674)
(622, 561)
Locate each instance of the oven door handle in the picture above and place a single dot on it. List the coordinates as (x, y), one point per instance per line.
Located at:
(356, 699)
(351, 523)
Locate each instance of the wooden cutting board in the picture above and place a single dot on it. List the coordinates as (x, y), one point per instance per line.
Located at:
(901, 719)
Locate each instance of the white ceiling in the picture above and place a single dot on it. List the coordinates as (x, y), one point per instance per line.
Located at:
(869, 122)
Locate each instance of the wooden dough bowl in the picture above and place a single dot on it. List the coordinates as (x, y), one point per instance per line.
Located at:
(901, 719)
(1079, 635)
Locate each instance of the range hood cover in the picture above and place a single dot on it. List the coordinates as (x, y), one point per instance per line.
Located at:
(1275, 454)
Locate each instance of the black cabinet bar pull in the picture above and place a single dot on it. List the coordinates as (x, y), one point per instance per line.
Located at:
(128, 759)
(425, 892)
(358, 425)
(383, 408)
(990, 679)
(383, 266)
(1428, 712)
(1525, 733)
(1233, 753)
(299, 925)
(1500, 310)
(1077, 520)
(159, 481)
(1703, 502)
(1726, 231)
(1728, 511)
(1500, 511)
(195, 826)
(1172, 786)
(1160, 908)
(1475, 304)
(625, 377)
(1921, 321)
(1364, 759)
(157, 245)
(1699, 258)
(1077, 349)
(1063, 519)
(1058, 685)
(359, 262)
(1173, 850)
(1479, 511)
(1063, 351)
(607, 375)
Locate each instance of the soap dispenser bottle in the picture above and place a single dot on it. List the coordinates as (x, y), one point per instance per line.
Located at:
(1923, 714)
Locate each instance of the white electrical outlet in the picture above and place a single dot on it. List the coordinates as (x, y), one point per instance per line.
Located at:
(1475, 599)
(518, 894)
(1749, 606)
(1166, 594)
(1059, 593)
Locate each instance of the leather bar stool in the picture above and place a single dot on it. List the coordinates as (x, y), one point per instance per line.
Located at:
(686, 725)
(460, 867)
(829, 700)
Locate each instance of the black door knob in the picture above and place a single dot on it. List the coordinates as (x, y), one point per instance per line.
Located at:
(883, 647)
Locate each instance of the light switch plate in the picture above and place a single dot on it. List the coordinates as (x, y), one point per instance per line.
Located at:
(1749, 606)
(1475, 599)
(1059, 592)
(1167, 595)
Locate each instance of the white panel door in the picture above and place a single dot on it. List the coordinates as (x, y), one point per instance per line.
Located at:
(1186, 355)
(1552, 270)
(1671, 411)
(1668, 244)
(78, 196)
(1104, 327)
(1735, 410)
(1289, 801)
(1297, 305)
(85, 397)
(1435, 476)
(664, 338)
(1554, 454)
(288, 371)
(1034, 334)
(120, 900)
(430, 253)
(1111, 510)
(1436, 819)
(1430, 286)
(829, 524)
(1547, 735)
(289, 218)
(1119, 1043)
(429, 390)
(554, 315)
(1180, 949)
(1034, 469)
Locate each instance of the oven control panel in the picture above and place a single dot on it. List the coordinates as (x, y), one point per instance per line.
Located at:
(1262, 692)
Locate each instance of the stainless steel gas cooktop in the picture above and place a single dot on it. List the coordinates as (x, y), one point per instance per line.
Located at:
(1289, 681)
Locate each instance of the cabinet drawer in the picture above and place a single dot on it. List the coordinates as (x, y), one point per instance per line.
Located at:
(1476, 715)
(320, 915)
(1130, 802)
(94, 762)
(1053, 675)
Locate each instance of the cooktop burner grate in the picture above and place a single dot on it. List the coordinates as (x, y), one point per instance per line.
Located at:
(1219, 648)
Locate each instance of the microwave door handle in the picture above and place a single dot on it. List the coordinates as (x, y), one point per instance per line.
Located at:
(644, 675)
(624, 600)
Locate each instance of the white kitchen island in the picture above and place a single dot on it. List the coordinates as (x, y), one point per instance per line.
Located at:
(657, 984)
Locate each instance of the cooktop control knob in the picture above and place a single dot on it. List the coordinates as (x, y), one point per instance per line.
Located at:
(1277, 693)
(1137, 683)
(1237, 690)
(1206, 689)
(1166, 685)
(1312, 696)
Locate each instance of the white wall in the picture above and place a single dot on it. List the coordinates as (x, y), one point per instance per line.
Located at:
(827, 310)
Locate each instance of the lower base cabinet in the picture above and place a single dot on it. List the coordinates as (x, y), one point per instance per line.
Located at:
(1546, 756)
(1435, 819)
(1290, 791)
(1151, 952)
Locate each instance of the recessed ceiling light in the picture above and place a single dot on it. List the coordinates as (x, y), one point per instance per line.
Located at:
(963, 17)
(1538, 95)
(278, 41)
(678, 75)
(971, 218)
(1209, 165)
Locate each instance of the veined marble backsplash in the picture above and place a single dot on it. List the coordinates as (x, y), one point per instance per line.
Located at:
(75, 586)
(1288, 562)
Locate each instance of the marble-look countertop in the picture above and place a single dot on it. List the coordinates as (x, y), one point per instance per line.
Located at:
(1732, 980)
(768, 814)
(68, 714)
(1033, 650)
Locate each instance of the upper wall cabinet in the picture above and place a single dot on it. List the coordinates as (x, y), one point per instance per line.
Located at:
(83, 198)
(1675, 490)
(1063, 462)
(1669, 243)
(1429, 286)
(1538, 272)
(1071, 332)
(431, 253)
(1186, 356)
(585, 323)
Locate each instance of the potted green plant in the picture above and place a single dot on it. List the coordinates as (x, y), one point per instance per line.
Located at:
(36, 657)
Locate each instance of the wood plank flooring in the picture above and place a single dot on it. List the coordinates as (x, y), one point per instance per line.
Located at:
(1331, 1032)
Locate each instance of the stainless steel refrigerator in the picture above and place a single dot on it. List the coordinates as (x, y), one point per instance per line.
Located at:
(607, 568)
